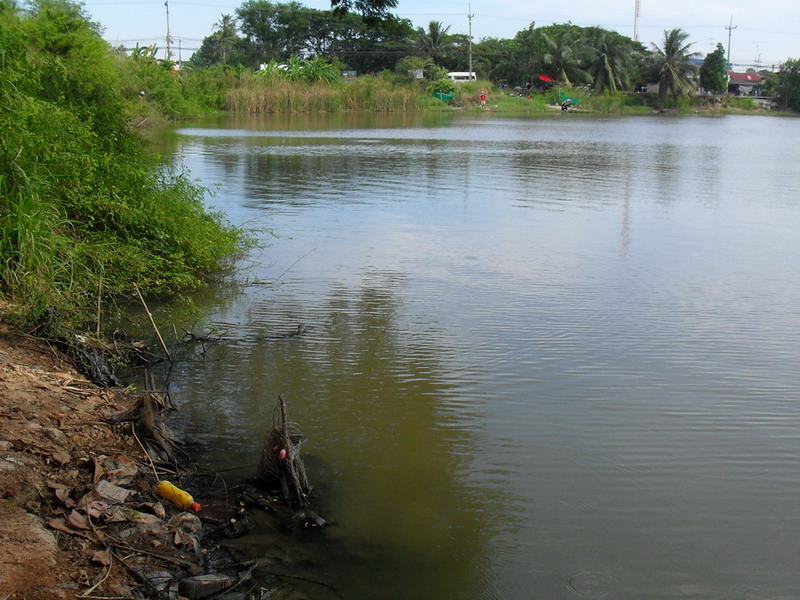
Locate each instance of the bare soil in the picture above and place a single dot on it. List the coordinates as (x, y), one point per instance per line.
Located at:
(53, 439)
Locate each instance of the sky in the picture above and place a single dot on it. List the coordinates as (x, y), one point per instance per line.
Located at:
(762, 34)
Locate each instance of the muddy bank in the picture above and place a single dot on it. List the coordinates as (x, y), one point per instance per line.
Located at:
(79, 516)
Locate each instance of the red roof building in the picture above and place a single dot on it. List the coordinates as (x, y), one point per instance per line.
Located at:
(748, 84)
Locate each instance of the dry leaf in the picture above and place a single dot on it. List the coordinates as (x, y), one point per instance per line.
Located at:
(77, 521)
(103, 557)
(64, 496)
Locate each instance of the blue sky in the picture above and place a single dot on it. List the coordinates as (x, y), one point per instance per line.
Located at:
(765, 31)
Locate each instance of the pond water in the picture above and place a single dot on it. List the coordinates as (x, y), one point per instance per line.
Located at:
(549, 358)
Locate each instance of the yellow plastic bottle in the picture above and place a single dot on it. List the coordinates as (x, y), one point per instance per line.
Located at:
(177, 496)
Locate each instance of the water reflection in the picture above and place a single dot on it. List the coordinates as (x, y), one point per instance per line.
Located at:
(550, 358)
(369, 393)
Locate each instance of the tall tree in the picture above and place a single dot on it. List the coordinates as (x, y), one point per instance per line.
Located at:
(374, 12)
(565, 56)
(610, 61)
(787, 84)
(435, 42)
(714, 71)
(676, 72)
(226, 38)
(276, 30)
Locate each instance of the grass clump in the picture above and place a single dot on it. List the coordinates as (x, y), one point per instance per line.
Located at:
(269, 93)
(84, 211)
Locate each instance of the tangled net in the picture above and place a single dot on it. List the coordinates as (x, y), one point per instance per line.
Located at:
(280, 465)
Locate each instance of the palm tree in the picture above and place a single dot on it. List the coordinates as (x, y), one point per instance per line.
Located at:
(435, 42)
(610, 66)
(224, 38)
(564, 56)
(676, 74)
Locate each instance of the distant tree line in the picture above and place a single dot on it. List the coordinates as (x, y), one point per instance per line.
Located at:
(362, 35)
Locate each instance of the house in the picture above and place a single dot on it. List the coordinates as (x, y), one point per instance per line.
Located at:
(745, 84)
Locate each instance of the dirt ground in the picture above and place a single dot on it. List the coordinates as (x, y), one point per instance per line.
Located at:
(53, 444)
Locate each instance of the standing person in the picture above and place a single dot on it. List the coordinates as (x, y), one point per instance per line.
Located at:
(483, 98)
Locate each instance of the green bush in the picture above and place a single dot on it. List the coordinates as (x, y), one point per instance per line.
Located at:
(442, 86)
(83, 210)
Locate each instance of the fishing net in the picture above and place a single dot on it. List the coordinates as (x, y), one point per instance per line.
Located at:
(281, 465)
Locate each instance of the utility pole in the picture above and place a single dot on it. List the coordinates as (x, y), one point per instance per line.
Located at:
(730, 28)
(636, 22)
(169, 39)
(469, 16)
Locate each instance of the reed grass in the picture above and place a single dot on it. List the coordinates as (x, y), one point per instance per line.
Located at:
(258, 94)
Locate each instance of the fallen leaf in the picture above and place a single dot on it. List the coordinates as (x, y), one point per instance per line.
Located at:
(102, 556)
(60, 525)
(64, 496)
(97, 508)
(77, 521)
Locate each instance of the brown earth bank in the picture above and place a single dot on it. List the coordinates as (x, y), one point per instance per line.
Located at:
(79, 516)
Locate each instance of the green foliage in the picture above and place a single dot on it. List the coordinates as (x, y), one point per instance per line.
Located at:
(277, 31)
(567, 53)
(787, 84)
(406, 67)
(442, 86)
(434, 42)
(565, 57)
(676, 73)
(297, 69)
(714, 71)
(612, 60)
(83, 210)
(374, 12)
(264, 94)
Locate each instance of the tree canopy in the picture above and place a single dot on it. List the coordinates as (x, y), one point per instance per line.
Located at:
(714, 71)
(676, 72)
(787, 84)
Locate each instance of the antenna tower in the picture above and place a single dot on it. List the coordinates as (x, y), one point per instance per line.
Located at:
(636, 22)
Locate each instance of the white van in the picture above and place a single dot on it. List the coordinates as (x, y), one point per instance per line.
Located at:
(461, 76)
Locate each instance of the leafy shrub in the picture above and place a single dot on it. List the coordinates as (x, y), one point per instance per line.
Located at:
(442, 86)
(83, 210)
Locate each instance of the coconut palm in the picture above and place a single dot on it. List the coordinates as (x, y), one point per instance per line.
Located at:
(564, 58)
(435, 42)
(224, 38)
(676, 72)
(610, 63)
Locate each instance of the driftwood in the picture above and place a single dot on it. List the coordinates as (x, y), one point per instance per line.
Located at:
(281, 466)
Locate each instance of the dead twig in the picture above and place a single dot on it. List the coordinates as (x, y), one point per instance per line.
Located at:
(153, 323)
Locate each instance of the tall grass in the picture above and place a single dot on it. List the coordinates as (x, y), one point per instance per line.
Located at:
(271, 94)
(84, 211)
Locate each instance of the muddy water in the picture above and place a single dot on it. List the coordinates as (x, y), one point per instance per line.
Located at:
(549, 358)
